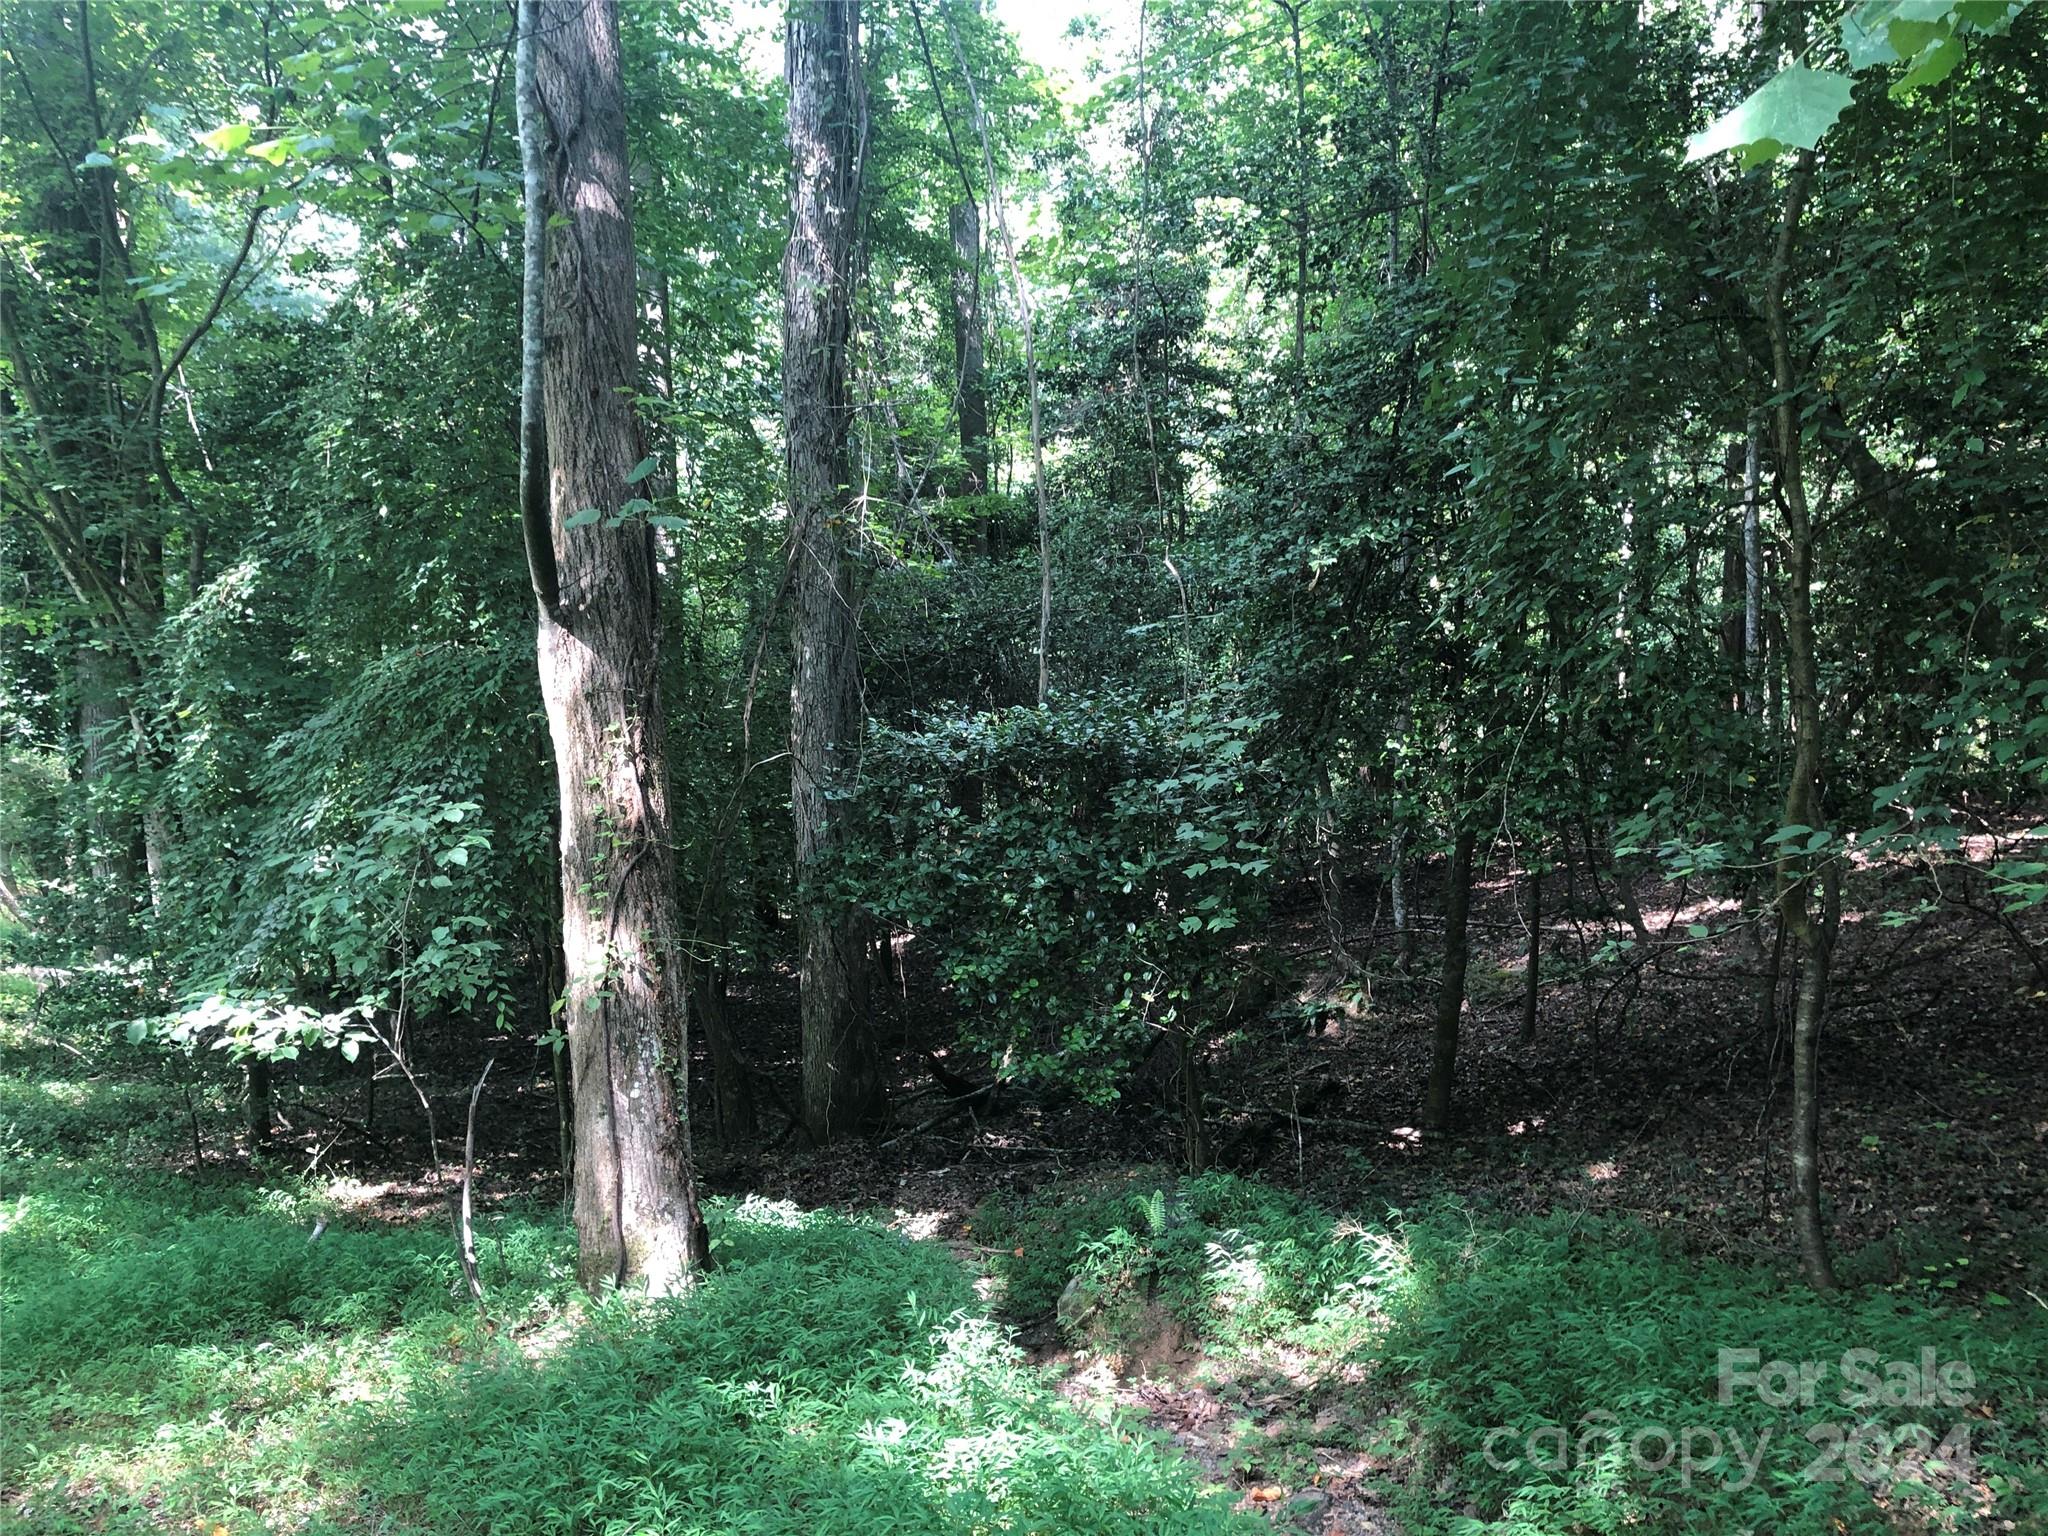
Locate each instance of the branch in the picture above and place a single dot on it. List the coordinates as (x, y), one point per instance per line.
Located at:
(152, 402)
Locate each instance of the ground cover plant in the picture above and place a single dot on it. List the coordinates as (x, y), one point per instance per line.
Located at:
(1023, 765)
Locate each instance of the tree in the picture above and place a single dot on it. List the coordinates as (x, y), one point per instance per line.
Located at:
(842, 1084)
(595, 584)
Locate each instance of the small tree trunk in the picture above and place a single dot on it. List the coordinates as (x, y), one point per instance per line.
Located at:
(109, 843)
(1025, 319)
(1811, 935)
(1194, 1124)
(1752, 571)
(1450, 997)
(1532, 979)
(1404, 925)
(732, 1087)
(262, 1117)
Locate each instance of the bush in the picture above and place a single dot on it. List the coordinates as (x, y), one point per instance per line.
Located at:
(1084, 872)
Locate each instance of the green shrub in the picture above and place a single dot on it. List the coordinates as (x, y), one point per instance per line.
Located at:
(1084, 871)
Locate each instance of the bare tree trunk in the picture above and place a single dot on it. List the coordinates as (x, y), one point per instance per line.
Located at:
(637, 1220)
(1024, 318)
(1752, 570)
(109, 835)
(732, 1087)
(1194, 1123)
(842, 1082)
(1532, 979)
(1811, 933)
(967, 357)
(1292, 8)
(1404, 922)
(1450, 997)
(262, 1118)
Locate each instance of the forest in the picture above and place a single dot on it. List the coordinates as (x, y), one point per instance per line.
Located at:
(1023, 766)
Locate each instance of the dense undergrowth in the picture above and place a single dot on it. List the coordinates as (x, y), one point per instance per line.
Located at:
(1561, 1374)
(181, 1353)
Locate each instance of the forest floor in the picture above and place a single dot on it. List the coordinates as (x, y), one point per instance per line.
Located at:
(1328, 1327)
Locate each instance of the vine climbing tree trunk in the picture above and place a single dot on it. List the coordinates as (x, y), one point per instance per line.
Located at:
(842, 1081)
(594, 577)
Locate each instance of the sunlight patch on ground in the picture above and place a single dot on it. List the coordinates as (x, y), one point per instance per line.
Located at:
(921, 1226)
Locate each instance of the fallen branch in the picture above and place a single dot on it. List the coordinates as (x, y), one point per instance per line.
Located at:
(465, 1227)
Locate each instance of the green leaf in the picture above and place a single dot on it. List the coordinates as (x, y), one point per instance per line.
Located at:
(640, 471)
(1792, 110)
(227, 138)
(1937, 63)
(582, 519)
(95, 161)
(1866, 35)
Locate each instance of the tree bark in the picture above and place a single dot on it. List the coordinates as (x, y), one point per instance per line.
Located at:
(1532, 979)
(637, 1221)
(1450, 997)
(103, 678)
(967, 355)
(732, 1086)
(1752, 570)
(262, 1118)
(1811, 933)
(1292, 9)
(1025, 320)
(842, 1082)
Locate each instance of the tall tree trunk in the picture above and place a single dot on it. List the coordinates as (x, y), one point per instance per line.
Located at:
(1025, 320)
(967, 356)
(842, 1081)
(1810, 931)
(1752, 570)
(637, 1221)
(1292, 8)
(1450, 997)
